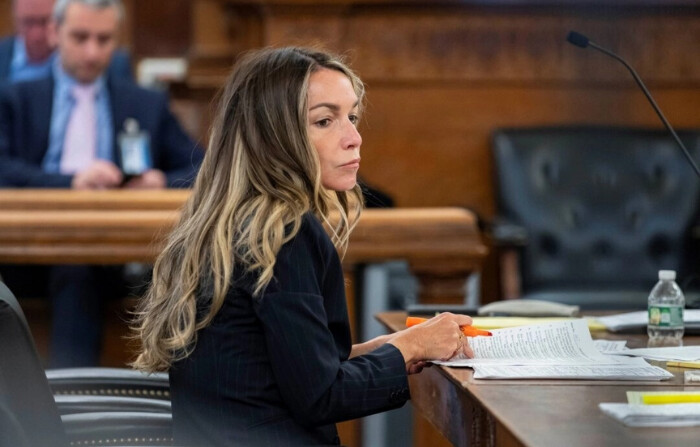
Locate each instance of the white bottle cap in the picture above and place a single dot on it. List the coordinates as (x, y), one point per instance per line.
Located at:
(667, 275)
(131, 126)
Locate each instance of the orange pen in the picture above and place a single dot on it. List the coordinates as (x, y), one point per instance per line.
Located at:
(469, 331)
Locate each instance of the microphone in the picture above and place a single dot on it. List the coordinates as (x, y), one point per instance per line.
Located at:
(583, 42)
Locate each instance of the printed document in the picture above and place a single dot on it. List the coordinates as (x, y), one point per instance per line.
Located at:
(611, 346)
(561, 349)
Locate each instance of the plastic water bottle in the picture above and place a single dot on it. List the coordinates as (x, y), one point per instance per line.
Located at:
(666, 303)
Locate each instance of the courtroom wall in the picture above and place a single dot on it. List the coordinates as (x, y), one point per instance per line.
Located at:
(441, 75)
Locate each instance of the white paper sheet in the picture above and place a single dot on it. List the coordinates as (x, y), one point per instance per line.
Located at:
(632, 415)
(678, 353)
(640, 371)
(638, 320)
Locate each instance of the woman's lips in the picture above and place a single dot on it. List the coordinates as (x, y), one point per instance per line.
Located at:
(351, 164)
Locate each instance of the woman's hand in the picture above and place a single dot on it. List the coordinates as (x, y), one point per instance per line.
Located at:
(415, 368)
(439, 338)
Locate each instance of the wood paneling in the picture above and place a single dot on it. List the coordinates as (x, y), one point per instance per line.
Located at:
(431, 146)
(442, 75)
(161, 27)
(463, 44)
(5, 17)
(519, 47)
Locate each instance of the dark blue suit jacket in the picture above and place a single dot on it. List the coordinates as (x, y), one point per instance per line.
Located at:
(274, 370)
(25, 120)
(120, 66)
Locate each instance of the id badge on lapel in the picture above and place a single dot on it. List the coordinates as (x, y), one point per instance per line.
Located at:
(134, 149)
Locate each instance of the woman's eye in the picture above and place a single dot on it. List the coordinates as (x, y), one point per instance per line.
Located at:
(324, 122)
(354, 119)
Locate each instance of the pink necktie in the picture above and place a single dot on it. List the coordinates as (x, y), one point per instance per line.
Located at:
(80, 142)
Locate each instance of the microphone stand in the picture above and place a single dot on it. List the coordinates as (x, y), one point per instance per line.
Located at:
(582, 41)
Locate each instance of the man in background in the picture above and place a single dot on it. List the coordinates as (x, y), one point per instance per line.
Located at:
(65, 131)
(28, 54)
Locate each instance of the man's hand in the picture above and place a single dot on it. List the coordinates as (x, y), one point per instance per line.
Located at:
(151, 179)
(102, 174)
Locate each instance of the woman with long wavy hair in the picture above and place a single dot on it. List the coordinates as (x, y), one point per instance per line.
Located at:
(247, 305)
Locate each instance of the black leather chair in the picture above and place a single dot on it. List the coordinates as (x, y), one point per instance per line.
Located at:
(595, 212)
(33, 417)
(109, 382)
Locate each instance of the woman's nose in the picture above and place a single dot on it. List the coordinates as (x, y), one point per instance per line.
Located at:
(351, 138)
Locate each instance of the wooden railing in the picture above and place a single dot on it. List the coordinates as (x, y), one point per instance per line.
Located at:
(441, 245)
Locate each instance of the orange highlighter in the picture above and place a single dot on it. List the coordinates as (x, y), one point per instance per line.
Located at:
(469, 331)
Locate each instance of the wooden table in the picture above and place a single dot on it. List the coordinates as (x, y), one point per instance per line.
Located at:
(538, 413)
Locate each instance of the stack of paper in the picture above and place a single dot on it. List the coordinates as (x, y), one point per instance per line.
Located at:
(556, 350)
(657, 409)
(634, 415)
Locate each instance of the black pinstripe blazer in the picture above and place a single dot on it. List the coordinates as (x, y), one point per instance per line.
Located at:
(274, 370)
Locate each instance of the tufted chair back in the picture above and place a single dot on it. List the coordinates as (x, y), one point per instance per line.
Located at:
(602, 209)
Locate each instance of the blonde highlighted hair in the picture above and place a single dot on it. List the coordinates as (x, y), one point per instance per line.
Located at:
(259, 176)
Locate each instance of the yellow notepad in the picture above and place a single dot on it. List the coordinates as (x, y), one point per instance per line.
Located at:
(504, 322)
(662, 397)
